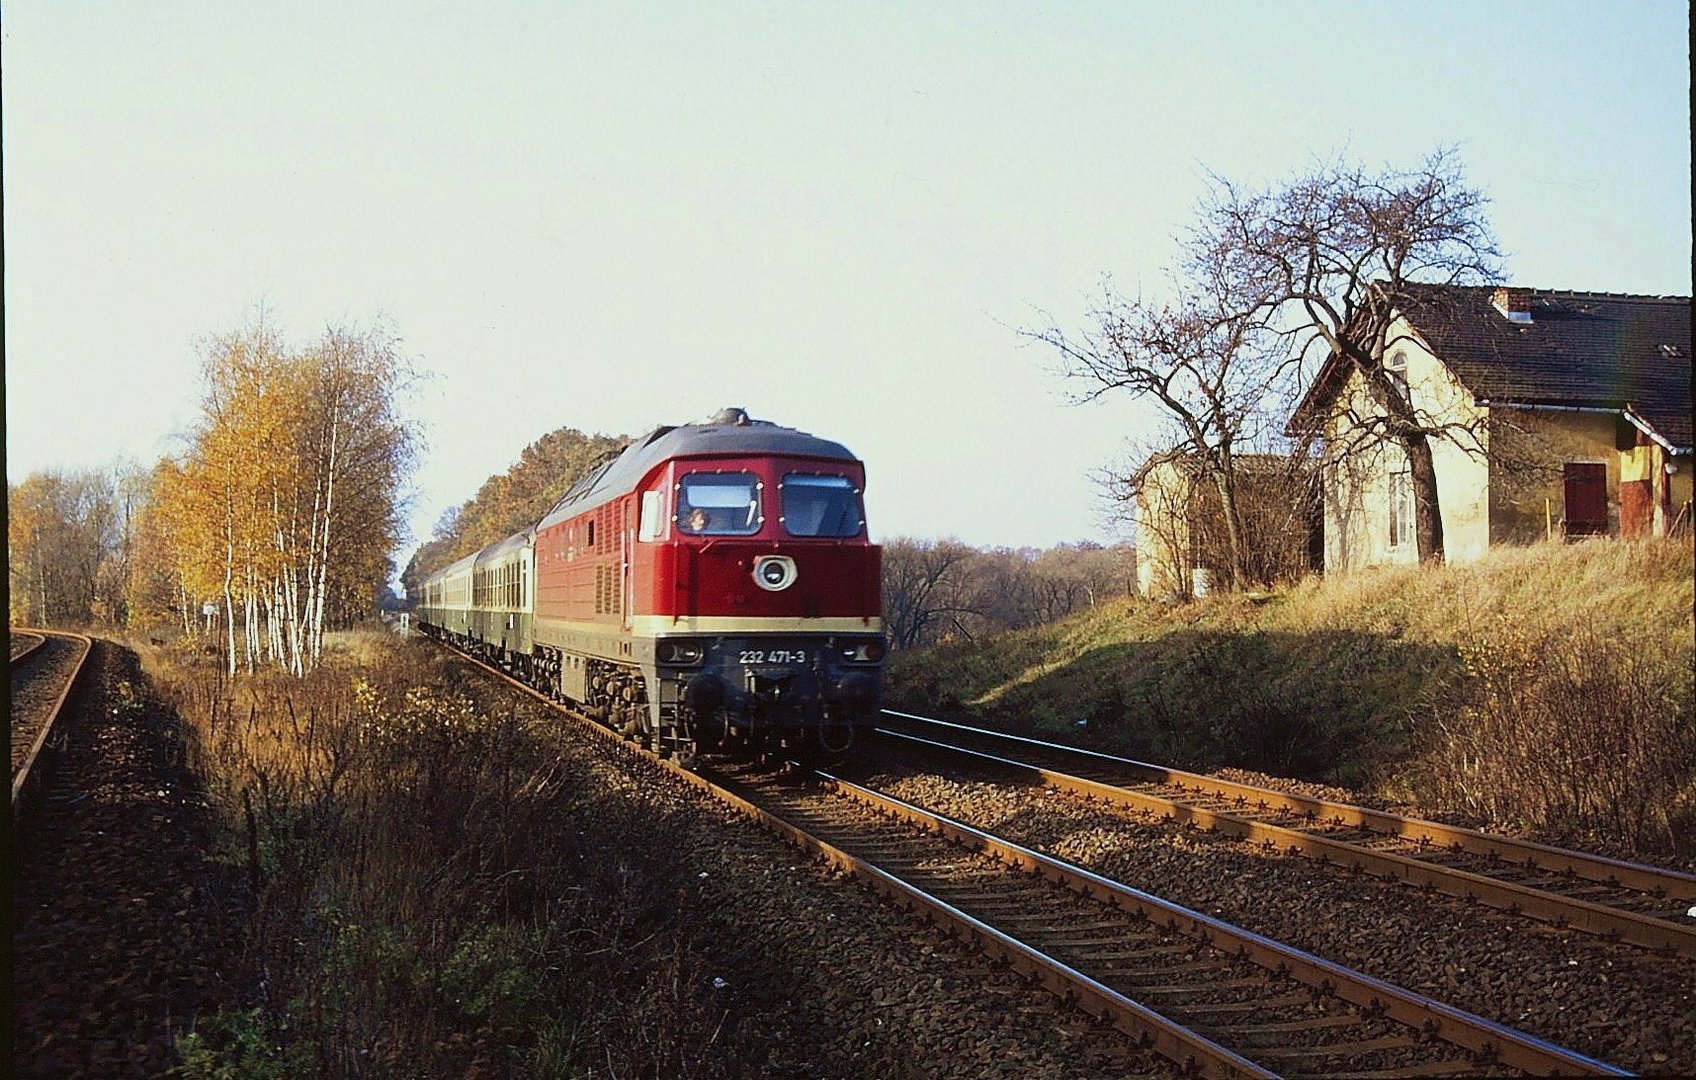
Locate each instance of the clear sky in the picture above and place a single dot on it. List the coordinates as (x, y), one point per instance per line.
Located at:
(836, 216)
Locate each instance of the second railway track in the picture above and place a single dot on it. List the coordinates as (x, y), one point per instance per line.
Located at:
(1214, 998)
(42, 677)
(1643, 905)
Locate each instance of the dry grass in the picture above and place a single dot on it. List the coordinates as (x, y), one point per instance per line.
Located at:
(1547, 688)
(421, 907)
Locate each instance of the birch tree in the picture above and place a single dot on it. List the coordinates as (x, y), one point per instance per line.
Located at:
(357, 452)
(286, 503)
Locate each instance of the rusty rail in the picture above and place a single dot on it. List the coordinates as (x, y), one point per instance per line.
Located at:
(26, 776)
(1634, 927)
(1492, 1040)
(16, 632)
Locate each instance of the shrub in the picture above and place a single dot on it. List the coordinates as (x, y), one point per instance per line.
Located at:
(1573, 732)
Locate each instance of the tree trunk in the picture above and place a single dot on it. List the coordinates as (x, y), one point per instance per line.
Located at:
(190, 627)
(1405, 427)
(1427, 511)
(324, 552)
(1225, 485)
(229, 620)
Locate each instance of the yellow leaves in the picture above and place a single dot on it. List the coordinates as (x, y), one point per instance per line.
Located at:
(285, 503)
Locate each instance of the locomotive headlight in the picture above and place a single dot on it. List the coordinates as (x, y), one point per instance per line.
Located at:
(774, 573)
(679, 652)
(863, 652)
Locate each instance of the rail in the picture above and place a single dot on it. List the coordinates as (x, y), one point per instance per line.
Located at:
(1666, 887)
(25, 775)
(1195, 1051)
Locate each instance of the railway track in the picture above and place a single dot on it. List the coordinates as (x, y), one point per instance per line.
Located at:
(22, 643)
(1216, 1000)
(1643, 905)
(42, 677)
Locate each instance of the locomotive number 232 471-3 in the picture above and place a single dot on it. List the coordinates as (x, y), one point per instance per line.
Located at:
(773, 656)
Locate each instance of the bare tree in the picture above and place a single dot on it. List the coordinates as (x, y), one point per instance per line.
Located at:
(1209, 369)
(936, 590)
(1274, 283)
(1323, 261)
(926, 590)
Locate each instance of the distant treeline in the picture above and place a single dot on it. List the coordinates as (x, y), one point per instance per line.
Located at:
(945, 590)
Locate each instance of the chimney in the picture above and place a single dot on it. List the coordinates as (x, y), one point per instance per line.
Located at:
(1514, 304)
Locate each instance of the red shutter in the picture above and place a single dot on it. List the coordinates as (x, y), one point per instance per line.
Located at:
(1586, 499)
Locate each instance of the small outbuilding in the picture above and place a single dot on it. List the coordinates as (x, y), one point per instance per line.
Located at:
(1182, 550)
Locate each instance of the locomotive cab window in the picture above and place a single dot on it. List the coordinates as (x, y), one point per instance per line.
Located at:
(718, 504)
(651, 521)
(815, 505)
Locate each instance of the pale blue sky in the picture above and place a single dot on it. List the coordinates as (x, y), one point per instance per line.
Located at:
(835, 216)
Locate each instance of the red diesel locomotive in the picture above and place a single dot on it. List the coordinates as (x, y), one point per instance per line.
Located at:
(713, 586)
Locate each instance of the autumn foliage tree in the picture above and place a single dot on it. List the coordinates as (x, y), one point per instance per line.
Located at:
(286, 505)
(513, 500)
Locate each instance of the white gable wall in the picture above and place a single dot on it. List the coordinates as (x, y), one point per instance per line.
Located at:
(1357, 484)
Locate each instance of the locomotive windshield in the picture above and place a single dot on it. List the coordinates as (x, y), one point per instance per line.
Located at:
(718, 504)
(816, 505)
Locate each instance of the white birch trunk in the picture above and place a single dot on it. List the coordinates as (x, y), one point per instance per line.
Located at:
(324, 536)
(229, 579)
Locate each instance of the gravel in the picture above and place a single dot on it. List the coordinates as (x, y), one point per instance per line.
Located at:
(822, 978)
(124, 932)
(1617, 1003)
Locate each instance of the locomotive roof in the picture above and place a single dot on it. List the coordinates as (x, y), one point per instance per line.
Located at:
(730, 433)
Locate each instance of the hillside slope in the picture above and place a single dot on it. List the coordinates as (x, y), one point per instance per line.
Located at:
(1541, 686)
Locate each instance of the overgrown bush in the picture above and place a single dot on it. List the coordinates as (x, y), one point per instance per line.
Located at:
(1570, 732)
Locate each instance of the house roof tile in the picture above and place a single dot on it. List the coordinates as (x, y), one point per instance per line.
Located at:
(1590, 350)
(1598, 350)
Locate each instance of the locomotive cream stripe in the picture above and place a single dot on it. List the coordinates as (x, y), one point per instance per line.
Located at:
(664, 625)
(660, 625)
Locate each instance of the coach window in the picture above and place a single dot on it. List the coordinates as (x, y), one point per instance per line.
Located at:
(719, 504)
(815, 505)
